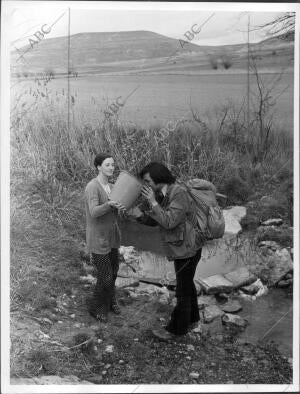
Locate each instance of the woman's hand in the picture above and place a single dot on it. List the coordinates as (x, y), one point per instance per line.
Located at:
(148, 193)
(117, 205)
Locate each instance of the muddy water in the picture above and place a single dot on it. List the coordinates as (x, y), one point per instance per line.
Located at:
(220, 258)
(270, 319)
(217, 257)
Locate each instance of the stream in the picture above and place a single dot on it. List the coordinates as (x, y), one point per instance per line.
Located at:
(273, 309)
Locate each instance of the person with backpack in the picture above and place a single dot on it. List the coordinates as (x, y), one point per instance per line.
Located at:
(171, 208)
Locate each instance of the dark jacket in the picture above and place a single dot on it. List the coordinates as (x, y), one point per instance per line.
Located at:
(177, 220)
(102, 232)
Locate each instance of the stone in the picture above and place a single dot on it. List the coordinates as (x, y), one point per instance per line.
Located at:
(212, 312)
(190, 348)
(194, 375)
(206, 300)
(224, 296)
(283, 235)
(253, 288)
(232, 306)
(198, 286)
(148, 289)
(234, 321)
(198, 329)
(215, 327)
(232, 225)
(163, 299)
(281, 264)
(237, 212)
(109, 348)
(126, 282)
(88, 278)
(49, 379)
(269, 244)
(240, 277)
(272, 222)
(284, 283)
(216, 284)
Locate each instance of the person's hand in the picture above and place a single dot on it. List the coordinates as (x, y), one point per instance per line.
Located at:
(117, 205)
(148, 193)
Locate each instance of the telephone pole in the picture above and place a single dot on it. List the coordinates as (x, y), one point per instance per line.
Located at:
(248, 75)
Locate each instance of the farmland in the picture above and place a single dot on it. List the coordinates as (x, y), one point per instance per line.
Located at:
(160, 98)
(52, 152)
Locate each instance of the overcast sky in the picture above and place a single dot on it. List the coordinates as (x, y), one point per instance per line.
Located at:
(220, 27)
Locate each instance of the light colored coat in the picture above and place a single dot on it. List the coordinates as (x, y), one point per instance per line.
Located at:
(102, 231)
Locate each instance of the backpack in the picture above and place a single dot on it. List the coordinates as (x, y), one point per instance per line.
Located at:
(209, 215)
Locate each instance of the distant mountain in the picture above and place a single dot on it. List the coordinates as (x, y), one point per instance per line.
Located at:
(98, 48)
(122, 51)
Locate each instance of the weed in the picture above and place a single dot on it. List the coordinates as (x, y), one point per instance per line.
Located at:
(40, 362)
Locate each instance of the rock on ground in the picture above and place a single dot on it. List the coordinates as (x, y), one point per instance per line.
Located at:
(278, 264)
(232, 217)
(253, 288)
(234, 321)
(269, 244)
(283, 235)
(124, 282)
(232, 306)
(211, 313)
(240, 277)
(206, 300)
(272, 222)
(216, 284)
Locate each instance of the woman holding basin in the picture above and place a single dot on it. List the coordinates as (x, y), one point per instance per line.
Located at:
(103, 237)
(171, 209)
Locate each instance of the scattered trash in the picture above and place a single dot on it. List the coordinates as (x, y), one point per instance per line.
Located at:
(194, 375)
(109, 348)
(272, 222)
(190, 347)
(89, 278)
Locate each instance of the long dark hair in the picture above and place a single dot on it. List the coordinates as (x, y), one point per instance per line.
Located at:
(158, 172)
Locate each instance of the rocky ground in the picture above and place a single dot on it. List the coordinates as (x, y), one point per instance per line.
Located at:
(55, 341)
(64, 341)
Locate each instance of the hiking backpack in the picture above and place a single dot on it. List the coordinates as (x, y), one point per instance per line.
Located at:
(209, 215)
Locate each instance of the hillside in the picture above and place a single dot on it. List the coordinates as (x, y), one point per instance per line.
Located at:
(136, 51)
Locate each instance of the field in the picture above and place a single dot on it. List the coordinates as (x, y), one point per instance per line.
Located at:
(162, 98)
(51, 164)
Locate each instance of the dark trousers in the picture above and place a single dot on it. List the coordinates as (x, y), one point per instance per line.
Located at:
(104, 292)
(186, 310)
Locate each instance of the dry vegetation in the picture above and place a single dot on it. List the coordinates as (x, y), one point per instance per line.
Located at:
(52, 162)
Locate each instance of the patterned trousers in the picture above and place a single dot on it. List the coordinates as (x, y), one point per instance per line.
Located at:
(104, 296)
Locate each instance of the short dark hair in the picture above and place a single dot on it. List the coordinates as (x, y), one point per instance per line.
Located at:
(100, 157)
(158, 172)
